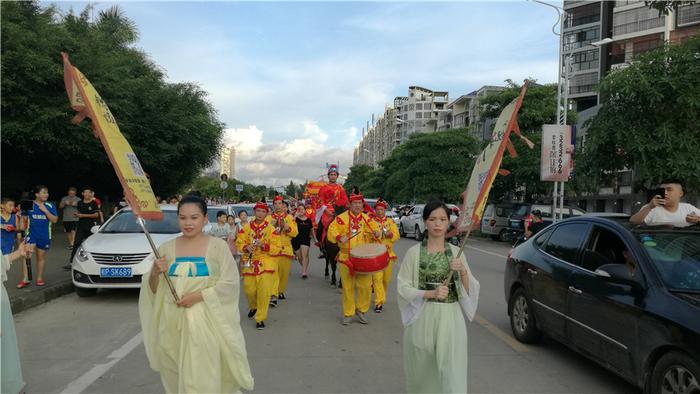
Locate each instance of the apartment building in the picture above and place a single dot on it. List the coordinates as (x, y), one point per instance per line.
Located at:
(227, 161)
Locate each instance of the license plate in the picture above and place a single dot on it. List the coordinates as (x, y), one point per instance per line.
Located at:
(116, 272)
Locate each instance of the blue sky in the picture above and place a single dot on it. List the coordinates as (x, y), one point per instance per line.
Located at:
(295, 82)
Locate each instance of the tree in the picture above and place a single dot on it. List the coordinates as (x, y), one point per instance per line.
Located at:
(430, 165)
(666, 6)
(358, 176)
(539, 108)
(648, 121)
(292, 189)
(166, 124)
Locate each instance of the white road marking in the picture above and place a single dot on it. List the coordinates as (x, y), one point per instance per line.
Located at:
(79, 385)
(500, 334)
(487, 251)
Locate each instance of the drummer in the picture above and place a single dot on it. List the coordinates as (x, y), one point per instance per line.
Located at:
(351, 229)
(390, 234)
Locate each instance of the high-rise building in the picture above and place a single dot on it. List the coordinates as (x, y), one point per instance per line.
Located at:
(227, 161)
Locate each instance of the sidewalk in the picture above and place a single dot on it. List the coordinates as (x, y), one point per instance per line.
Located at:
(58, 281)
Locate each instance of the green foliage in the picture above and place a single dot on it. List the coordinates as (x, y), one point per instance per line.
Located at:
(167, 124)
(649, 120)
(666, 6)
(426, 166)
(539, 108)
(359, 174)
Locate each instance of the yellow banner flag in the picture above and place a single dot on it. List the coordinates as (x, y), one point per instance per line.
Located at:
(85, 99)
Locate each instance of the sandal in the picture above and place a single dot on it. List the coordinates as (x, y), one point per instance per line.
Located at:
(40, 282)
(22, 284)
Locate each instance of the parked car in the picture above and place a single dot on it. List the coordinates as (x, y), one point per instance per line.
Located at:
(516, 222)
(235, 209)
(495, 220)
(627, 298)
(412, 223)
(118, 253)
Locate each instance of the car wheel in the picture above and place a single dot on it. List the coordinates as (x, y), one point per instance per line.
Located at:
(83, 292)
(503, 236)
(522, 318)
(402, 233)
(418, 234)
(676, 373)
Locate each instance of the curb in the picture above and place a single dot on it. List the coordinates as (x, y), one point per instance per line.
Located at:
(35, 298)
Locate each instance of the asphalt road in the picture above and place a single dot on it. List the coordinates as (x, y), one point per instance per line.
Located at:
(93, 345)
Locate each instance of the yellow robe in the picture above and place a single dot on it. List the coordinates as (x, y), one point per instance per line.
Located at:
(200, 349)
(343, 225)
(282, 252)
(380, 280)
(258, 278)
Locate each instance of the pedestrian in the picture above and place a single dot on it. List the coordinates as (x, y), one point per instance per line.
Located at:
(242, 219)
(221, 229)
(257, 266)
(87, 214)
(285, 228)
(390, 234)
(434, 312)
(100, 217)
(42, 215)
(11, 223)
(195, 343)
(69, 205)
(11, 373)
(302, 242)
(231, 220)
(535, 223)
(666, 208)
(348, 230)
(120, 205)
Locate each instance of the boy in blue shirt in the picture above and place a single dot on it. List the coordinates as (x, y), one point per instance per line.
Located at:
(42, 215)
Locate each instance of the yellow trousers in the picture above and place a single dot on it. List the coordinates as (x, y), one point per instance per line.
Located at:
(283, 264)
(363, 285)
(257, 290)
(380, 283)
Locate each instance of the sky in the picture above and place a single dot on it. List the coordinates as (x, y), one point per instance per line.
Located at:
(295, 83)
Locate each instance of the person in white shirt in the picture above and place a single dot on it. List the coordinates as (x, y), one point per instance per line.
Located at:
(668, 209)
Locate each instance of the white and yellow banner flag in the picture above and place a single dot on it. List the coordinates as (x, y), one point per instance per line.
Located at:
(85, 99)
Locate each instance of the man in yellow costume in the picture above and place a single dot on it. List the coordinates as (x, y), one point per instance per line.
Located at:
(351, 229)
(257, 266)
(390, 234)
(281, 252)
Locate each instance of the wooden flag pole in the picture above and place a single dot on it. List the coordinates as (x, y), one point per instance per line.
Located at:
(142, 223)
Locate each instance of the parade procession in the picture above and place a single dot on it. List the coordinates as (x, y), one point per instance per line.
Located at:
(243, 196)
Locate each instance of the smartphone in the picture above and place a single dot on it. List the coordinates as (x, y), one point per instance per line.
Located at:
(660, 191)
(26, 206)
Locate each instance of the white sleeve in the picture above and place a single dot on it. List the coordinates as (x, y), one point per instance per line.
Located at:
(410, 299)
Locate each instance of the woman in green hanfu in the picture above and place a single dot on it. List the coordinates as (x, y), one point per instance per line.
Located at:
(195, 343)
(433, 312)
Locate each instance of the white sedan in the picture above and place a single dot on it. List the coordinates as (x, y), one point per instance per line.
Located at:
(118, 253)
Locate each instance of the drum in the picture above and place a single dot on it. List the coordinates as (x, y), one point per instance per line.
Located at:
(368, 258)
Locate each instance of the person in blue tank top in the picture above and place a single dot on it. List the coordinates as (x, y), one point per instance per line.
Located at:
(9, 225)
(42, 215)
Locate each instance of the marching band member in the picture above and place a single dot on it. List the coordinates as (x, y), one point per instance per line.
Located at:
(390, 234)
(258, 267)
(333, 201)
(351, 229)
(281, 252)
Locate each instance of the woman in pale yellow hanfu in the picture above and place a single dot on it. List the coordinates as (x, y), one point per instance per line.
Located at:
(434, 314)
(196, 343)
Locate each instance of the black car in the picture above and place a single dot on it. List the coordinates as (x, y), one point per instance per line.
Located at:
(516, 221)
(628, 298)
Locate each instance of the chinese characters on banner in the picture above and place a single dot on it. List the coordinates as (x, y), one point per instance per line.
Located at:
(556, 161)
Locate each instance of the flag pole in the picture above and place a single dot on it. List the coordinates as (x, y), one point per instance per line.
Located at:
(142, 223)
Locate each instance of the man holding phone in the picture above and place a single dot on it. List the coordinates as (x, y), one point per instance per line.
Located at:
(666, 207)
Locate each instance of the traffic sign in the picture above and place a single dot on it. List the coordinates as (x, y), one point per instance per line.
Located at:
(223, 185)
(239, 187)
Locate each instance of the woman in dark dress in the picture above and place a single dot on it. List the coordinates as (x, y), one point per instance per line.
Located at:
(302, 241)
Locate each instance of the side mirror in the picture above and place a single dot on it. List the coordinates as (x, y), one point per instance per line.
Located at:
(95, 229)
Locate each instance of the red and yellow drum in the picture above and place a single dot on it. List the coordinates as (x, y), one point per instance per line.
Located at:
(368, 258)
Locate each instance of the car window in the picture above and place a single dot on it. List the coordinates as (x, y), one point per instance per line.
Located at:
(417, 210)
(577, 212)
(503, 212)
(125, 222)
(603, 247)
(542, 238)
(545, 209)
(489, 211)
(521, 211)
(565, 241)
(676, 256)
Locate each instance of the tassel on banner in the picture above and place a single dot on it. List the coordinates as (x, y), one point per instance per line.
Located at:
(503, 172)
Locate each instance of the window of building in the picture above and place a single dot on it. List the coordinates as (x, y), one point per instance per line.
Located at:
(582, 15)
(419, 115)
(419, 106)
(688, 14)
(411, 107)
(648, 44)
(427, 106)
(580, 38)
(637, 19)
(584, 60)
(583, 83)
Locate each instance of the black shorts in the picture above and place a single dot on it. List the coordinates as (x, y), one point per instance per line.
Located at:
(70, 226)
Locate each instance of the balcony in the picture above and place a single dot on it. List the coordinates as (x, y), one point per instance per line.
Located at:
(636, 20)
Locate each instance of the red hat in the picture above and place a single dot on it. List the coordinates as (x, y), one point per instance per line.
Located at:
(333, 168)
(356, 195)
(278, 197)
(261, 205)
(381, 203)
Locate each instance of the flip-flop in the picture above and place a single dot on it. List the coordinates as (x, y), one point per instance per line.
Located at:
(23, 284)
(40, 282)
